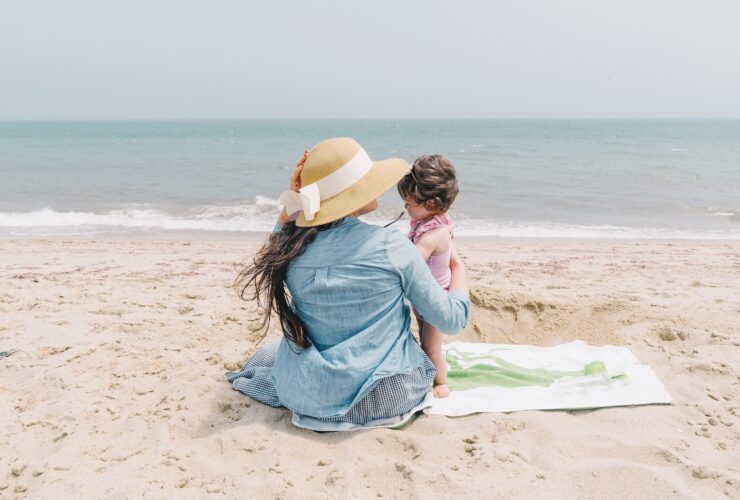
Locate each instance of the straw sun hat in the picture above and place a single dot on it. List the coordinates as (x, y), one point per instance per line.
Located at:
(339, 178)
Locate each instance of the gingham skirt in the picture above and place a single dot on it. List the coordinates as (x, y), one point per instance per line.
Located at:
(391, 396)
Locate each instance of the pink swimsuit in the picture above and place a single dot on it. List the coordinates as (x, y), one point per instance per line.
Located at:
(438, 264)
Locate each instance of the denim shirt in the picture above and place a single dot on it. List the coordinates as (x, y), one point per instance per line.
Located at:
(351, 288)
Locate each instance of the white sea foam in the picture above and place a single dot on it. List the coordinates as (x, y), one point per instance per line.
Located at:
(725, 213)
(208, 218)
(260, 217)
(576, 231)
(732, 213)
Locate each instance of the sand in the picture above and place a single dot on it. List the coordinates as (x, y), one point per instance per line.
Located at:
(120, 390)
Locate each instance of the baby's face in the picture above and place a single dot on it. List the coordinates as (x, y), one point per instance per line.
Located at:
(417, 210)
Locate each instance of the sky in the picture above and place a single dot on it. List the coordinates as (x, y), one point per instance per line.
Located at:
(224, 59)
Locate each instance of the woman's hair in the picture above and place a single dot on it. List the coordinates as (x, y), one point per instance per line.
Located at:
(430, 181)
(266, 277)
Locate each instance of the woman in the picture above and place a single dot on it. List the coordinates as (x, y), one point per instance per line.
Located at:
(340, 289)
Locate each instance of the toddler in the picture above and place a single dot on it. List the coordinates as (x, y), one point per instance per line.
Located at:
(428, 191)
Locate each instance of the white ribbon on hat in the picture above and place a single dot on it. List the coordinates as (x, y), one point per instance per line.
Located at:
(309, 197)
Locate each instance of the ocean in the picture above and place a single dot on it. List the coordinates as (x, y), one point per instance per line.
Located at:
(654, 179)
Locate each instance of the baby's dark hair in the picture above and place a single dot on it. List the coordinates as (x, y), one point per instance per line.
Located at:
(431, 181)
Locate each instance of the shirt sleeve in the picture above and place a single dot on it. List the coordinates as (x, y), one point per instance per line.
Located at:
(447, 311)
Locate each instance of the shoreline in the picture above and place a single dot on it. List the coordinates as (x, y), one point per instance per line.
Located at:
(260, 236)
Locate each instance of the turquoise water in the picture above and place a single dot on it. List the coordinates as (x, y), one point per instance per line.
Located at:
(519, 178)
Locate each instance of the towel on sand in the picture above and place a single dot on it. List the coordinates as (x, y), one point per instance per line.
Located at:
(507, 378)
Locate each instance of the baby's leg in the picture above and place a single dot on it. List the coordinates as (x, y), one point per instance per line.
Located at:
(431, 342)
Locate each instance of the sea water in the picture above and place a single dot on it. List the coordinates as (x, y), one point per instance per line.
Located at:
(518, 178)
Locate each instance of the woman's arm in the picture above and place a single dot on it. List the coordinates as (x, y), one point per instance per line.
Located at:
(448, 312)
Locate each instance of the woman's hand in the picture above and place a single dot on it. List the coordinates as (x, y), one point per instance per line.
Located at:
(295, 185)
(459, 280)
(455, 259)
(295, 177)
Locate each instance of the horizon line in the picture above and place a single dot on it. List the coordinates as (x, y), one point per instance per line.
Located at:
(460, 118)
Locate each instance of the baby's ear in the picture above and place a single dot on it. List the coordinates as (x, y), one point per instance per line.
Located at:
(430, 205)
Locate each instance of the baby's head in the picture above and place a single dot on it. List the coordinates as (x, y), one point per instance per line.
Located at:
(429, 188)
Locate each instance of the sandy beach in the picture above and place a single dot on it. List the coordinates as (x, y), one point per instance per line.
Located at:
(119, 391)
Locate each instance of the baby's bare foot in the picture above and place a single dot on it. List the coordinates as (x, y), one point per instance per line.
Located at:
(441, 391)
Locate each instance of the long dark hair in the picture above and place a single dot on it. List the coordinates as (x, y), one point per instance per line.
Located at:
(266, 278)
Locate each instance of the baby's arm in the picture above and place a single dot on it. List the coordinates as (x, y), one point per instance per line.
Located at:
(434, 242)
